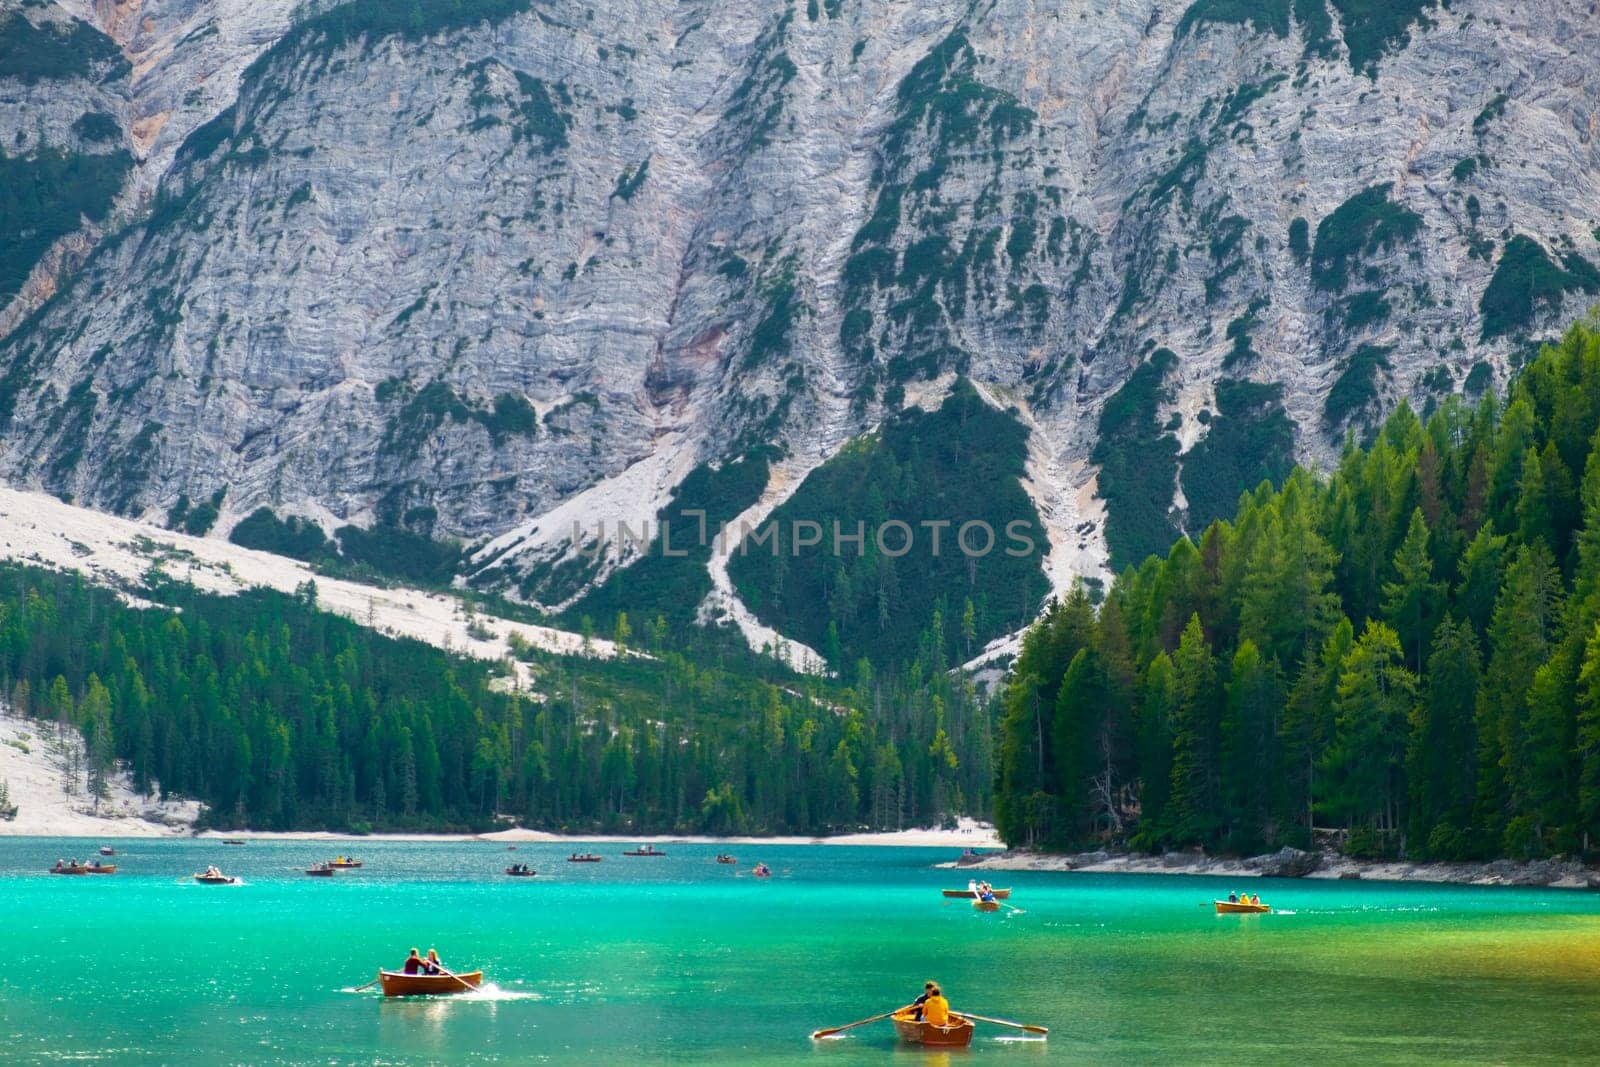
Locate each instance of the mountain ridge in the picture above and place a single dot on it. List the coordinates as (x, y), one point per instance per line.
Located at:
(684, 231)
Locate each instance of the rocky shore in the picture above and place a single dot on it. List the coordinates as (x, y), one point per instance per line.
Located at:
(1294, 863)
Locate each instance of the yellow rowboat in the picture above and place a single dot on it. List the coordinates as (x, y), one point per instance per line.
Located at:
(1231, 907)
(958, 1034)
(400, 984)
(986, 905)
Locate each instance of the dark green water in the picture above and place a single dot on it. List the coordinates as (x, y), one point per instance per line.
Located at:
(680, 960)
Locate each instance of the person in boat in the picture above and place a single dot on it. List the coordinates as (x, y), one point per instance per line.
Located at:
(915, 1007)
(936, 1009)
(1233, 898)
(433, 963)
(414, 964)
(986, 894)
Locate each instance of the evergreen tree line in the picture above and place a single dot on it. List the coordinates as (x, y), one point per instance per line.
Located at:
(277, 715)
(1407, 650)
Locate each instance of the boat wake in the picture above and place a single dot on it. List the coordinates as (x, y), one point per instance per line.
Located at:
(490, 991)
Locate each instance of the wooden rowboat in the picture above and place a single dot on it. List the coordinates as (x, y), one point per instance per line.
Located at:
(584, 859)
(958, 1034)
(400, 984)
(727, 860)
(515, 873)
(72, 869)
(1231, 907)
(107, 850)
(100, 868)
(986, 905)
(645, 851)
(320, 872)
(968, 894)
(344, 865)
(215, 879)
(232, 841)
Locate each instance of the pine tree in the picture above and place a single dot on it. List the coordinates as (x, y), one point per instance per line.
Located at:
(1520, 636)
(1364, 769)
(1439, 759)
(1158, 703)
(1411, 601)
(1249, 756)
(1193, 800)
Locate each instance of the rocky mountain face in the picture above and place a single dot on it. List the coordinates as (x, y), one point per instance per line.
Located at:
(445, 266)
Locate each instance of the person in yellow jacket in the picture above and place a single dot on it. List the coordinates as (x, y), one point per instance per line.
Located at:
(936, 1009)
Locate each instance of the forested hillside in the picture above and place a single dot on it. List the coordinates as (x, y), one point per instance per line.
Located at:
(277, 715)
(1408, 649)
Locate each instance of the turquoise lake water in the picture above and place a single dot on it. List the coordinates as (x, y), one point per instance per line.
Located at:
(679, 960)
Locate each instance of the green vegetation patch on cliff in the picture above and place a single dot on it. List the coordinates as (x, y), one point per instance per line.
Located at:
(54, 52)
(1371, 28)
(1138, 463)
(1526, 279)
(423, 412)
(848, 598)
(1264, 16)
(46, 197)
(1250, 439)
(369, 21)
(1366, 223)
(1355, 391)
(295, 537)
(670, 579)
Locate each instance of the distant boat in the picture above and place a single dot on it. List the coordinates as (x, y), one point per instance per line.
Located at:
(972, 894)
(100, 868)
(762, 871)
(587, 857)
(726, 860)
(69, 868)
(320, 870)
(107, 850)
(232, 841)
(1234, 907)
(344, 863)
(215, 879)
(644, 850)
(400, 984)
(521, 871)
(913, 1031)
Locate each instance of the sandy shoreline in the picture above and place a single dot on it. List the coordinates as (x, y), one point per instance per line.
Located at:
(1294, 863)
(117, 829)
(970, 835)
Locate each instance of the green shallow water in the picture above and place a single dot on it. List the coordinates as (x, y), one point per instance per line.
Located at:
(680, 960)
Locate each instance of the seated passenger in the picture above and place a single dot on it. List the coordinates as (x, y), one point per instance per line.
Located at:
(414, 963)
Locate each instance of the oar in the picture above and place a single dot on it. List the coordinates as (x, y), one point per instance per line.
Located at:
(1001, 1022)
(460, 979)
(369, 985)
(815, 1034)
(1013, 907)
